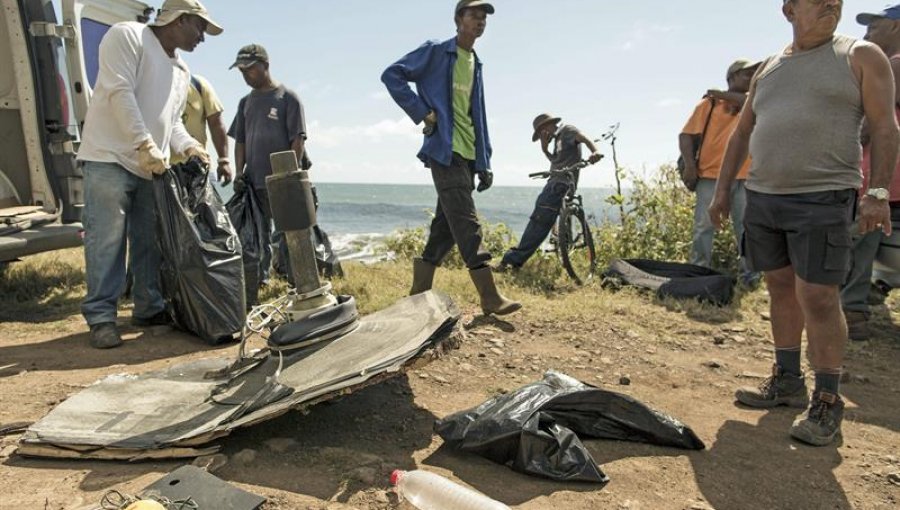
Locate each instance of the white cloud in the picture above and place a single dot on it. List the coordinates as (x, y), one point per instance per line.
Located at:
(643, 31)
(334, 136)
(669, 102)
(381, 95)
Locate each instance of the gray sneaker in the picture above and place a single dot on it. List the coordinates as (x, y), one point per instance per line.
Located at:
(779, 389)
(105, 336)
(821, 423)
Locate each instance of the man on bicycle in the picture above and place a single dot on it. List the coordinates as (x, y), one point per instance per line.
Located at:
(567, 141)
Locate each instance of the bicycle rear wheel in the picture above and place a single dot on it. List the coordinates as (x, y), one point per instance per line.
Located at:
(576, 245)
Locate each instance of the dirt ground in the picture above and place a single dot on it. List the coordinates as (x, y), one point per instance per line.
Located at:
(684, 361)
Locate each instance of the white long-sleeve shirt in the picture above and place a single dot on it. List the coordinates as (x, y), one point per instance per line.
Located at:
(140, 93)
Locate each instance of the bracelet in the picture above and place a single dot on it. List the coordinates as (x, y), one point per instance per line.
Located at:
(224, 160)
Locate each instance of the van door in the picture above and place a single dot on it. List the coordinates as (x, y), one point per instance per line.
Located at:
(91, 19)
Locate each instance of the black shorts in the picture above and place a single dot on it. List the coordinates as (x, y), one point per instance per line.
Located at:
(809, 231)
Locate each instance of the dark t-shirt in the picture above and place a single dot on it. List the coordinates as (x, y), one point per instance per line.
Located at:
(267, 122)
(566, 150)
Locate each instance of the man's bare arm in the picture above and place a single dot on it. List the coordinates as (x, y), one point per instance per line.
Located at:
(735, 154)
(240, 155)
(298, 145)
(220, 142)
(595, 152)
(878, 96)
(873, 70)
(736, 98)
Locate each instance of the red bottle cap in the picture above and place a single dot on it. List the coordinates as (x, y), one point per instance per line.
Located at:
(396, 475)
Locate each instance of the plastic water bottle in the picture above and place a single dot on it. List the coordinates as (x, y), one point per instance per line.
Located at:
(428, 491)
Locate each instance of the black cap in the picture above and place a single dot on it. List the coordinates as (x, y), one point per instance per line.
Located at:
(465, 4)
(249, 55)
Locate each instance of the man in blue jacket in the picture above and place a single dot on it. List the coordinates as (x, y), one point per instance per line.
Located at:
(450, 101)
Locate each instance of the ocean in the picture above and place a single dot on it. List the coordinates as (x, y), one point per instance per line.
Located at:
(357, 217)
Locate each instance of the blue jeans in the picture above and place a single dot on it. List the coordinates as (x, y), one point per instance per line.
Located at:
(704, 231)
(855, 291)
(119, 205)
(546, 210)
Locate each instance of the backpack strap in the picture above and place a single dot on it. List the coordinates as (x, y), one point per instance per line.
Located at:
(712, 107)
(198, 85)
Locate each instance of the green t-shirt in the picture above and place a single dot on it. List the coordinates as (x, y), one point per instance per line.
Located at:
(463, 127)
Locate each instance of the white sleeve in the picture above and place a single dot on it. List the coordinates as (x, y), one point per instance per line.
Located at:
(120, 53)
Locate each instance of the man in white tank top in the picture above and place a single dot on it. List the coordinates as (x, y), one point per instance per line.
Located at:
(806, 106)
(132, 126)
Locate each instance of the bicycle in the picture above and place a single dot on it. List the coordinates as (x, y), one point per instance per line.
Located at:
(572, 235)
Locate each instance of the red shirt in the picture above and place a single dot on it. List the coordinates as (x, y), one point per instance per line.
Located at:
(894, 187)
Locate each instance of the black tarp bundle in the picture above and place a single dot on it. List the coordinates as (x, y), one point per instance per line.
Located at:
(248, 220)
(326, 260)
(202, 273)
(673, 279)
(537, 429)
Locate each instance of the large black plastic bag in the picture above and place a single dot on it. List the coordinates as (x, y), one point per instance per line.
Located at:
(674, 279)
(537, 429)
(248, 220)
(202, 271)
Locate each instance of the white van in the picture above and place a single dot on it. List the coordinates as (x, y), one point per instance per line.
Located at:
(47, 69)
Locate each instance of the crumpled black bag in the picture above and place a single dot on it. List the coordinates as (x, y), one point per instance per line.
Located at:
(202, 273)
(327, 261)
(537, 429)
(673, 279)
(247, 217)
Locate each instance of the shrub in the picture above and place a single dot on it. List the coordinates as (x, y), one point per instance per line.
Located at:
(408, 243)
(658, 224)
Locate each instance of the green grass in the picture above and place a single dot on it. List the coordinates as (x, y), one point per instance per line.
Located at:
(49, 287)
(43, 287)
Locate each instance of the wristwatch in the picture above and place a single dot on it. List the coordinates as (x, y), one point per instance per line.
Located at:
(878, 193)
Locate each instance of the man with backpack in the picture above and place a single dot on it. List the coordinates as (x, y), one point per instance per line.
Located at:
(203, 110)
(702, 143)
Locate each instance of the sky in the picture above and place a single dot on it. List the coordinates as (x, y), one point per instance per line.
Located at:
(644, 65)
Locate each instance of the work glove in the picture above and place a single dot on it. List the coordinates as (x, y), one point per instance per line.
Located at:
(485, 180)
(197, 151)
(430, 123)
(151, 159)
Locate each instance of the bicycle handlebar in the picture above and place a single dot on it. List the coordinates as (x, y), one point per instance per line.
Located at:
(560, 171)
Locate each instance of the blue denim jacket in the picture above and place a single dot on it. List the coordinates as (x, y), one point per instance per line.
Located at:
(430, 67)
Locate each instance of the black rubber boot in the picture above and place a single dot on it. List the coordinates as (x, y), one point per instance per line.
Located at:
(423, 276)
(492, 302)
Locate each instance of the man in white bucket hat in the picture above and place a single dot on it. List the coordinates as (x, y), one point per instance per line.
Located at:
(132, 126)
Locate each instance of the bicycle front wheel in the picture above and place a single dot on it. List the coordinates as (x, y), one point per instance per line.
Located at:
(576, 245)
